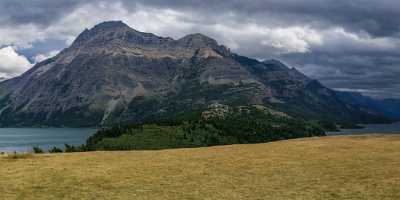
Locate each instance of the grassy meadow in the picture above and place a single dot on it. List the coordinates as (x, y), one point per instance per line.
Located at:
(339, 167)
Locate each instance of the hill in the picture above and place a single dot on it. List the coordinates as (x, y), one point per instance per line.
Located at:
(114, 74)
(218, 125)
(350, 167)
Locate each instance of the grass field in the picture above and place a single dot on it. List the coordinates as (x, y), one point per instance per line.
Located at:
(342, 167)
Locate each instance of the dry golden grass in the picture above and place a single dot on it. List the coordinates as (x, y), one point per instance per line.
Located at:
(355, 167)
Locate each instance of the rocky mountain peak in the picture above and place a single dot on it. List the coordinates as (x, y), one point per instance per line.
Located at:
(197, 40)
(200, 41)
(111, 25)
(111, 32)
(108, 26)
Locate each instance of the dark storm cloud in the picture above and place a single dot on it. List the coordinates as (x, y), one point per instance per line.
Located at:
(38, 12)
(378, 18)
(375, 74)
(348, 45)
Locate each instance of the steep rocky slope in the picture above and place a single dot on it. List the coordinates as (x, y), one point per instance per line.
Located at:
(113, 73)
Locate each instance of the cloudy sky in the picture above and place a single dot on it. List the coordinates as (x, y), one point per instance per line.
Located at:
(347, 45)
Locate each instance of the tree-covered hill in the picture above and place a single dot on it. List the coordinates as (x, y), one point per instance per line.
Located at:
(218, 125)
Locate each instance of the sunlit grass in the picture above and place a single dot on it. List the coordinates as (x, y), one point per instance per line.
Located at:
(355, 167)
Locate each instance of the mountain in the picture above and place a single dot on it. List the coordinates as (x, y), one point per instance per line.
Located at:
(113, 73)
(387, 107)
(391, 108)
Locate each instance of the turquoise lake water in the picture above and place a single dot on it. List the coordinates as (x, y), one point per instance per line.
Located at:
(23, 139)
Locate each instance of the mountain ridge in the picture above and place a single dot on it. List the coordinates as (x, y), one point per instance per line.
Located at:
(387, 107)
(113, 73)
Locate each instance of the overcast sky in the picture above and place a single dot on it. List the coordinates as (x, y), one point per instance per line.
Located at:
(351, 45)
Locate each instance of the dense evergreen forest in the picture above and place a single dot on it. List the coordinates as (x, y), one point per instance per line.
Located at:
(220, 125)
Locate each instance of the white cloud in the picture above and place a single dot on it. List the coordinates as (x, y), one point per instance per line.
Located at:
(338, 40)
(41, 57)
(264, 42)
(11, 63)
(20, 35)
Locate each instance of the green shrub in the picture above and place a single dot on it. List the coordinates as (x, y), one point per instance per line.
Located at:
(70, 148)
(37, 150)
(55, 150)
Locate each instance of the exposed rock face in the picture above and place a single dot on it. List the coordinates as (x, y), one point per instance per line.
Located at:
(113, 73)
(216, 110)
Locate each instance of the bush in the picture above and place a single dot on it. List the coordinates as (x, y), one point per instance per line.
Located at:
(37, 149)
(70, 148)
(55, 150)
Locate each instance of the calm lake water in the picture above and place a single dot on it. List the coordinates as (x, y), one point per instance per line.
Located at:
(23, 139)
(371, 129)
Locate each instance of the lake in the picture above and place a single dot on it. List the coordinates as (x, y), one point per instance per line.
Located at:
(23, 139)
(371, 129)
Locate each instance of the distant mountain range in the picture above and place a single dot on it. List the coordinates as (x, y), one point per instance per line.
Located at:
(113, 73)
(386, 107)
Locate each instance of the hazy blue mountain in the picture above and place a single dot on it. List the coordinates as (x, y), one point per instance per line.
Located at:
(387, 107)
